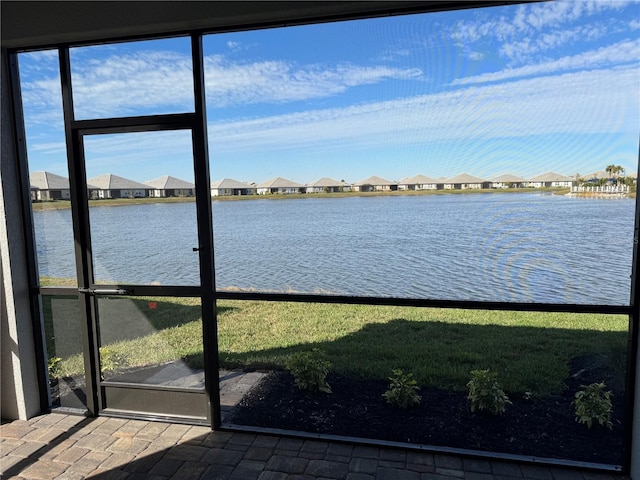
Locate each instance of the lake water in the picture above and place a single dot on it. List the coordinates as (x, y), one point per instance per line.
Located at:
(495, 247)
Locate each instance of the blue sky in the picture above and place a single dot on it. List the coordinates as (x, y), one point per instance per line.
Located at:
(521, 89)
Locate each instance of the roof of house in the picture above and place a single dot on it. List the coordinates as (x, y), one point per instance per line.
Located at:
(168, 183)
(279, 182)
(417, 180)
(551, 177)
(373, 180)
(230, 183)
(507, 178)
(326, 182)
(597, 175)
(465, 178)
(48, 181)
(109, 181)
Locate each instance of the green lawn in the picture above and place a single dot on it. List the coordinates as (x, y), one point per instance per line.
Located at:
(530, 351)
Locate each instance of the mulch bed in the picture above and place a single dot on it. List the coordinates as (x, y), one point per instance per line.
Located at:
(536, 427)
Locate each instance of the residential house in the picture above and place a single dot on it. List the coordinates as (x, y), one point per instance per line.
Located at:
(550, 179)
(418, 182)
(229, 186)
(507, 181)
(47, 186)
(464, 181)
(326, 185)
(279, 185)
(374, 184)
(168, 186)
(113, 186)
(595, 176)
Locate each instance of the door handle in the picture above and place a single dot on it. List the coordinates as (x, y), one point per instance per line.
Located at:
(106, 291)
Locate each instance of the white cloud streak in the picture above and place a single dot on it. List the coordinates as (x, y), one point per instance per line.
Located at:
(574, 103)
(627, 51)
(278, 81)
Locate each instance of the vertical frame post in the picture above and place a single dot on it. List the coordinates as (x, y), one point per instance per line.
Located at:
(205, 235)
(632, 400)
(81, 234)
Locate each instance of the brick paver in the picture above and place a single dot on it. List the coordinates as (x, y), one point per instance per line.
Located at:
(65, 447)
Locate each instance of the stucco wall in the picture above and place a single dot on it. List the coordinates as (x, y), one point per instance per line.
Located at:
(19, 394)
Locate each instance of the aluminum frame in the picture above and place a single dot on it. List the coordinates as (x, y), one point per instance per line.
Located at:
(75, 131)
(210, 295)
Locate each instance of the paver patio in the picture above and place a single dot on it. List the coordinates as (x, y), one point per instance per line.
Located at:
(59, 446)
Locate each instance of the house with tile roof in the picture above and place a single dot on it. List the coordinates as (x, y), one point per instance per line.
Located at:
(167, 186)
(279, 185)
(231, 187)
(327, 185)
(418, 182)
(113, 186)
(550, 179)
(375, 184)
(46, 186)
(507, 181)
(464, 181)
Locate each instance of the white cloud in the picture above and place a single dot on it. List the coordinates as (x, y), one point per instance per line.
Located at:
(50, 147)
(231, 83)
(556, 13)
(121, 84)
(521, 50)
(536, 28)
(622, 52)
(161, 82)
(585, 102)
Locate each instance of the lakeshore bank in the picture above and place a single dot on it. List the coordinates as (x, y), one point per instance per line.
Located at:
(114, 202)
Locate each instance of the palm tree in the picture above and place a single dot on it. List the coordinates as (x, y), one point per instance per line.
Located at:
(611, 169)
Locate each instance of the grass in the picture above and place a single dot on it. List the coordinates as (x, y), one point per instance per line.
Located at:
(529, 350)
(113, 202)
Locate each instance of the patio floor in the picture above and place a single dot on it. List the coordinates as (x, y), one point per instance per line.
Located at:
(66, 447)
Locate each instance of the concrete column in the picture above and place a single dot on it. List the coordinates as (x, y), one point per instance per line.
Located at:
(19, 394)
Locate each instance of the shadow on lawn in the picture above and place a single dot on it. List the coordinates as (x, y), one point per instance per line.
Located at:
(439, 354)
(539, 368)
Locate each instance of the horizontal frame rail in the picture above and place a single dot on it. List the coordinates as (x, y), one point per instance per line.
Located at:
(415, 302)
(186, 291)
(134, 290)
(148, 123)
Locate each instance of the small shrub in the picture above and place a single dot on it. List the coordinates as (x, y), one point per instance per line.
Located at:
(403, 390)
(111, 361)
(485, 392)
(54, 367)
(593, 403)
(310, 370)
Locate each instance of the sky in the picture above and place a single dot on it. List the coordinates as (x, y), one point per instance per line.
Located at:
(522, 89)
